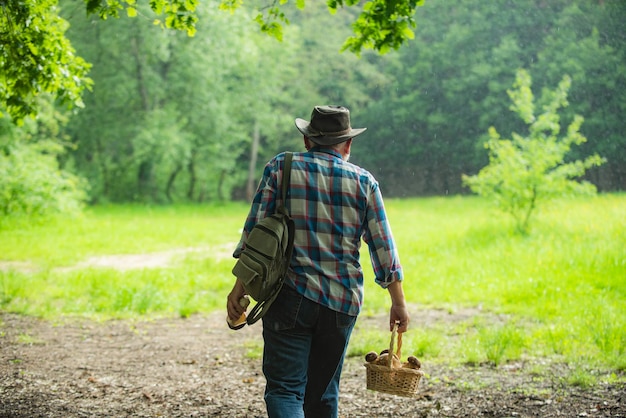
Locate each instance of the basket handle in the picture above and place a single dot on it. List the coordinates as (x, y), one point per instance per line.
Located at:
(395, 335)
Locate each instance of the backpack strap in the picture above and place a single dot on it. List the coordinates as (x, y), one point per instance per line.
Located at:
(284, 186)
(291, 226)
(259, 309)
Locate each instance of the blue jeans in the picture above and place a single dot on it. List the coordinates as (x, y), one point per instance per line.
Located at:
(305, 345)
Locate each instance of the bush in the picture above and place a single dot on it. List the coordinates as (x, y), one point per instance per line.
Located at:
(32, 184)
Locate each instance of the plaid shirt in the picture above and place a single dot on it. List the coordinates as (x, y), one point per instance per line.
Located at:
(333, 204)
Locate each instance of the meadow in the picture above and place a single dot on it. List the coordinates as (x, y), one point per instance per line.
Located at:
(557, 294)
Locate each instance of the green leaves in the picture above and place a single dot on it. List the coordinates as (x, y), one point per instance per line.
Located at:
(382, 25)
(31, 183)
(270, 22)
(525, 170)
(36, 57)
(178, 14)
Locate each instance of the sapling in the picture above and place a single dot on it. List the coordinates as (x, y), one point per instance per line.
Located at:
(524, 171)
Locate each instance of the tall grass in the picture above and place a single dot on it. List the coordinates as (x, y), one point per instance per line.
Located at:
(558, 292)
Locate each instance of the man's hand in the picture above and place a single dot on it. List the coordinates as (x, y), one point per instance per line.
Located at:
(399, 312)
(234, 309)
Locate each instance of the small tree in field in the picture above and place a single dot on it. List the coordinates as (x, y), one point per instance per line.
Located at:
(525, 170)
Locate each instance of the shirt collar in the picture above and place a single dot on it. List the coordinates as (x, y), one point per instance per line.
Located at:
(331, 151)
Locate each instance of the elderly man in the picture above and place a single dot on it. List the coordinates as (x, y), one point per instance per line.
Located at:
(334, 204)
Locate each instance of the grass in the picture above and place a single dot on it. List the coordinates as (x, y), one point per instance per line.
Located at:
(558, 292)
(130, 229)
(565, 282)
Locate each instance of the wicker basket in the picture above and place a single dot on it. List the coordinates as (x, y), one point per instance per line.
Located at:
(393, 380)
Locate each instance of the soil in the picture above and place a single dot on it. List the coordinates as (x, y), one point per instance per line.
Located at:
(197, 367)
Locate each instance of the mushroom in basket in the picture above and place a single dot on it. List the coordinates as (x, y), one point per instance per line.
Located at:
(383, 360)
(412, 363)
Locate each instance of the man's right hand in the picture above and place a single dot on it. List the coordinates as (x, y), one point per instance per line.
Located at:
(398, 312)
(233, 307)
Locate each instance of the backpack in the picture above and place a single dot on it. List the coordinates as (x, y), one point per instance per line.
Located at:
(267, 250)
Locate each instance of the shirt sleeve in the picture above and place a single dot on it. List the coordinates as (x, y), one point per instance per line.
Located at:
(263, 203)
(379, 239)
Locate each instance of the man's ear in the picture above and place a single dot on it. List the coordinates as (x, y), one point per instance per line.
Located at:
(307, 143)
(348, 146)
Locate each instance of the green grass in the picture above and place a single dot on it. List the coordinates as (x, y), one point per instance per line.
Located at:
(558, 293)
(196, 283)
(130, 229)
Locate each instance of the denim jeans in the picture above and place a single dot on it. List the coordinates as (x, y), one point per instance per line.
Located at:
(304, 348)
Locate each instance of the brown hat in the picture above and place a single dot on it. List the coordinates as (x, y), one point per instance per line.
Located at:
(329, 125)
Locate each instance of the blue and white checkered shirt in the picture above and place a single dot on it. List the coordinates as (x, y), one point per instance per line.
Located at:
(333, 204)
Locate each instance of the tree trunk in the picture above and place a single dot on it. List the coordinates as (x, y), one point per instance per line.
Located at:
(192, 179)
(101, 158)
(220, 184)
(145, 180)
(170, 182)
(256, 138)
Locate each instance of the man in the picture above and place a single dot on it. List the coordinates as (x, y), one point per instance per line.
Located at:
(334, 205)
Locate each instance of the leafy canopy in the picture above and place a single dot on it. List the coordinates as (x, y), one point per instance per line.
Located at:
(525, 170)
(36, 57)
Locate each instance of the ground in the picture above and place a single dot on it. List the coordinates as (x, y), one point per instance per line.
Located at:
(197, 367)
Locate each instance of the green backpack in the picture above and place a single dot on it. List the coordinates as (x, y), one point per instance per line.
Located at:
(267, 250)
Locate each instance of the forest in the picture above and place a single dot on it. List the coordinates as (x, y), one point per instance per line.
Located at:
(176, 118)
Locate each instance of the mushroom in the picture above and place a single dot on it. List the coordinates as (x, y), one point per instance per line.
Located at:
(383, 360)
(412, 363)
(371, 356)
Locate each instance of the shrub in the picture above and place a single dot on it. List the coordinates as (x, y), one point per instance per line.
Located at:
(523, 171)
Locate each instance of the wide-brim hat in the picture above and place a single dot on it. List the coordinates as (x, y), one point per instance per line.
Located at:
(329, 125)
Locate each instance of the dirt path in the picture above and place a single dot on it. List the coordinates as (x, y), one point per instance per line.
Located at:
(197, 367)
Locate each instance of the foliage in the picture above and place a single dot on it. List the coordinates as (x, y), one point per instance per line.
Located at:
(32, 183)
(438, 94)
(596, 62)
(163, 116)
(526, 170)
(427, 126)
(179, 14)
(382, 25)
(37, 58)
(170, 117)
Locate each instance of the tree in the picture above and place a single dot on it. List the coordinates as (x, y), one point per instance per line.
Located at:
(526, 170)
(165, 109)
(36, 57)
